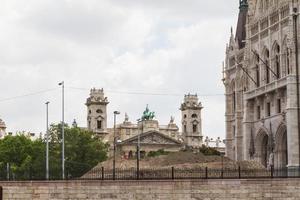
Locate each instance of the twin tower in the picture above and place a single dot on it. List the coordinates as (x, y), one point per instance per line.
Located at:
(190, 135)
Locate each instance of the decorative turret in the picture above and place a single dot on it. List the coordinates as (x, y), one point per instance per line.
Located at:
(97, 111)
(191, 121)
(2, 129)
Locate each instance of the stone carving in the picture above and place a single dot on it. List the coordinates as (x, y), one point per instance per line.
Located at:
(152, 138)
(271, 160)
(218, 141)
(126, 118)
(172, 120)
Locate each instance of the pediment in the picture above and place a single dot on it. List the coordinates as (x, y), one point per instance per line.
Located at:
(152, 138)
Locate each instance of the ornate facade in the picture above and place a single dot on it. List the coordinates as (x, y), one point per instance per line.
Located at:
(151, 134)
(261, 79)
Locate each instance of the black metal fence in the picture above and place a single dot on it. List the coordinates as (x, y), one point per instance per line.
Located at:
(163, 174)
(175, 173)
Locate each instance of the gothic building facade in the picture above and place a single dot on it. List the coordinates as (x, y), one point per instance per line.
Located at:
(261, 78)
(151, 135)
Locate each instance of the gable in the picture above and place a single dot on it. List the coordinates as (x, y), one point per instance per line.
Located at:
(152, 138)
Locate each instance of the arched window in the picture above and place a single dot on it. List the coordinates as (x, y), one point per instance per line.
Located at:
(267, 65)
(195, 128)
(286, 58)
(233, 97)
(288, 61)
(99, 124)
(257, 70)
(277, 66)
(194, 116)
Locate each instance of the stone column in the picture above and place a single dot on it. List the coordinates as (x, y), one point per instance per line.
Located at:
(247, 123)
(229, 128)
(292, 123)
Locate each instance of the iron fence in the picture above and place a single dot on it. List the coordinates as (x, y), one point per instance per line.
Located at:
(158, 174)
(175, 173)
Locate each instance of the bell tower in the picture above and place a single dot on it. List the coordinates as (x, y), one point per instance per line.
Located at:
(97, 111)
(191, 121)
(2, 129)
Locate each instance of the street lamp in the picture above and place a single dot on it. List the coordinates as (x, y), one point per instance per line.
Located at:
(138, 157)
(47, 142)
(114, 159)
(62, 84)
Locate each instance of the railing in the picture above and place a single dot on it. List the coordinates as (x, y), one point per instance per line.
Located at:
(175, 173)
(169, 174)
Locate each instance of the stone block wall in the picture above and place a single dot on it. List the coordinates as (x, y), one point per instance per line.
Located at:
(275, 189)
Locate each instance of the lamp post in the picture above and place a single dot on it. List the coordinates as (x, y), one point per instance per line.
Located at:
(47, 142)
(62, 84)
(114, 159)
(138, 157)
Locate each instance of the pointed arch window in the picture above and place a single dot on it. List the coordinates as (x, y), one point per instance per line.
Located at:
(257, 71)
(287, 60)
(267, 70)
(195, 128)
(277, 66)
(99, 124)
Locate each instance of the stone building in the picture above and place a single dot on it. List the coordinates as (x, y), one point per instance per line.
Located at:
(262, 84)
(2, 129)
(148, 131)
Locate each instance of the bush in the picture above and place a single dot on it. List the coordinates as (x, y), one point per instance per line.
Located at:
(209, 151)
(157, 153)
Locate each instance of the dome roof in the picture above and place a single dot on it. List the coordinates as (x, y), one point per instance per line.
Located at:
(2, 124)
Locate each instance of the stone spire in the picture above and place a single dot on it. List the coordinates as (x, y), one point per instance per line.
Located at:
(240, 35)
(244, 4)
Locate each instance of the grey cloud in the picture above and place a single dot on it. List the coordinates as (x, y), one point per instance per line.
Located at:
(150, 46)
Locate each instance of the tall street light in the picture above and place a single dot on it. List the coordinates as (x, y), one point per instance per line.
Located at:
(62, 84)
(138, 157)
(114, 159)
(47, 142)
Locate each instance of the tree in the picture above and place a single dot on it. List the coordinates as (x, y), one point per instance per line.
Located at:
(26, 157)
(83, 150)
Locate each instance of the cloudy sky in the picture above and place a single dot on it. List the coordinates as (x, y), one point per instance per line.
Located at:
(128, 47)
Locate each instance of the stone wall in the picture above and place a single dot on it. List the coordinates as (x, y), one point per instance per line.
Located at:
(275, 189)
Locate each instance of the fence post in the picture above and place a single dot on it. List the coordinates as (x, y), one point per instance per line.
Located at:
(222, 176)
(173, 173)
(239, 172)
(206, 174)
(1, 193)
(102, 173)
(272, 172)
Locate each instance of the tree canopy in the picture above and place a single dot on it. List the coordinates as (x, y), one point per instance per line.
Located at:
(25, 158)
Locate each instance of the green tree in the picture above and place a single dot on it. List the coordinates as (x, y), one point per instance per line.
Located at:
(83, 150)
(26, 157)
